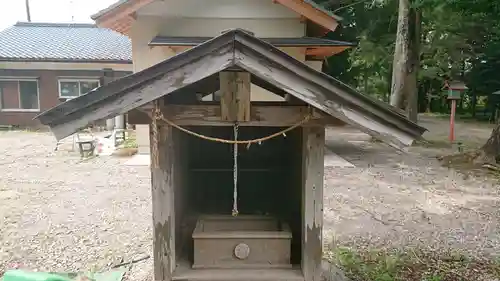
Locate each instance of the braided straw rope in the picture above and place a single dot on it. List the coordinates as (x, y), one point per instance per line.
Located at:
(157, 115)
(155, 161)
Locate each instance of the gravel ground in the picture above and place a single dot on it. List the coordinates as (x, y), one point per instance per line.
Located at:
(58, 213)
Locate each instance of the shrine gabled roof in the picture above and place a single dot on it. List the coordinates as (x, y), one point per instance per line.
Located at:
(279, 42)
(235, 49)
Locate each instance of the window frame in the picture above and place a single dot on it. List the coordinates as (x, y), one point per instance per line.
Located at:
(18, 80)
(75, 80)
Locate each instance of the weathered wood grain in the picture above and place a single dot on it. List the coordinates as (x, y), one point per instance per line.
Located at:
(260, 116)
(235, 96)
(317, 96)
(137, 79)
(162, 180)
(236, 50)
(313, 142)
(210, 115)
(128, 100)
(335, 90)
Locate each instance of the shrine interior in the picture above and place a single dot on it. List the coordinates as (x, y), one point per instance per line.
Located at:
(269, 180)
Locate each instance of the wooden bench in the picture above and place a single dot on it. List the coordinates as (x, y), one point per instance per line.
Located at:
(6, 127)
(86, 147)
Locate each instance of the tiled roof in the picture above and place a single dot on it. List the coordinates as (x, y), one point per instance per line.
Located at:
(27, 41)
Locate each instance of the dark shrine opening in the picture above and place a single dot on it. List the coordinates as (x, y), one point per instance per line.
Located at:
(269, 180)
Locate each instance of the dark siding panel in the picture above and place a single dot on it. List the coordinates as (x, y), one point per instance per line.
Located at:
(9, 91)
(48, 91)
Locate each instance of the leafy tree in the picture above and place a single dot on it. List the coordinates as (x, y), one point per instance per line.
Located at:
(460, 39)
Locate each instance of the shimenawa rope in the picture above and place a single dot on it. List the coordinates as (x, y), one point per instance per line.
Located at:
(159, 116)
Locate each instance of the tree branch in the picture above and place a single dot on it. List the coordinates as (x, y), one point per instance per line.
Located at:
(352, 4)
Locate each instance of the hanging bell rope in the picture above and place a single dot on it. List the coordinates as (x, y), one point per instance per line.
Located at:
(235, 172)
(157, 115)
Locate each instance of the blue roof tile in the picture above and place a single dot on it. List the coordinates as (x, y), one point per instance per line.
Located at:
(28, 41)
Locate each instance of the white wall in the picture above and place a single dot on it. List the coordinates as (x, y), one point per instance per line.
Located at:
(239, 9)
(213, 27)
(142, 32)
(146, 27)
(317, 65)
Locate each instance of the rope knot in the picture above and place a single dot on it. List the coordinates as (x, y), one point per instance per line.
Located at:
(158, 115)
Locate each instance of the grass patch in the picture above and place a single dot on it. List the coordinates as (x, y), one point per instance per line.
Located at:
(131, 140)
(465, 117)
(129, 147)
(433, 143)
(412, 265)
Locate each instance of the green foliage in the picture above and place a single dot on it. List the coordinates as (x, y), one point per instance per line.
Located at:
(372, 266)
(460, 40)
(130, 141)
(411, 265)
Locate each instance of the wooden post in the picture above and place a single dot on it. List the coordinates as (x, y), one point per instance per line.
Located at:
(162, 179)
(313, 142)
(452, 120)
(235, 96)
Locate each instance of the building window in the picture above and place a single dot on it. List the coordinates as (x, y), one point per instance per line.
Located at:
(72, 88)
(19, 95)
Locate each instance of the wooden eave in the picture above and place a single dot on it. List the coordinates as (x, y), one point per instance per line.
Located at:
(311, 52)
(317, 48)
(235, 49)
(308, 11)
(121, 15)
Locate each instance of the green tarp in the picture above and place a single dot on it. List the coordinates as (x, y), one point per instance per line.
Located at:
(21, 275)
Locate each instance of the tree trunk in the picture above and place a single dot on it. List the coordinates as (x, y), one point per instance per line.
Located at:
(413, 64)
(366, 80)
(399, 67)
(474, 103)
(387, 94)
(491, 149)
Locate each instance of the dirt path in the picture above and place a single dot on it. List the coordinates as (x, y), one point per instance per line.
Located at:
(393, 199)
(58, 213)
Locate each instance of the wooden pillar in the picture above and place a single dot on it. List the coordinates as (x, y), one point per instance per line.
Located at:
(117, 122)
(313, 142)
(235, 96)
(162, 179)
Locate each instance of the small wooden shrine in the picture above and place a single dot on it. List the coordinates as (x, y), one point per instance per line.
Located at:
(237, 186)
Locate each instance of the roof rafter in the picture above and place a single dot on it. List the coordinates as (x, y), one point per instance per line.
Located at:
(119, 11)
(325, 51)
